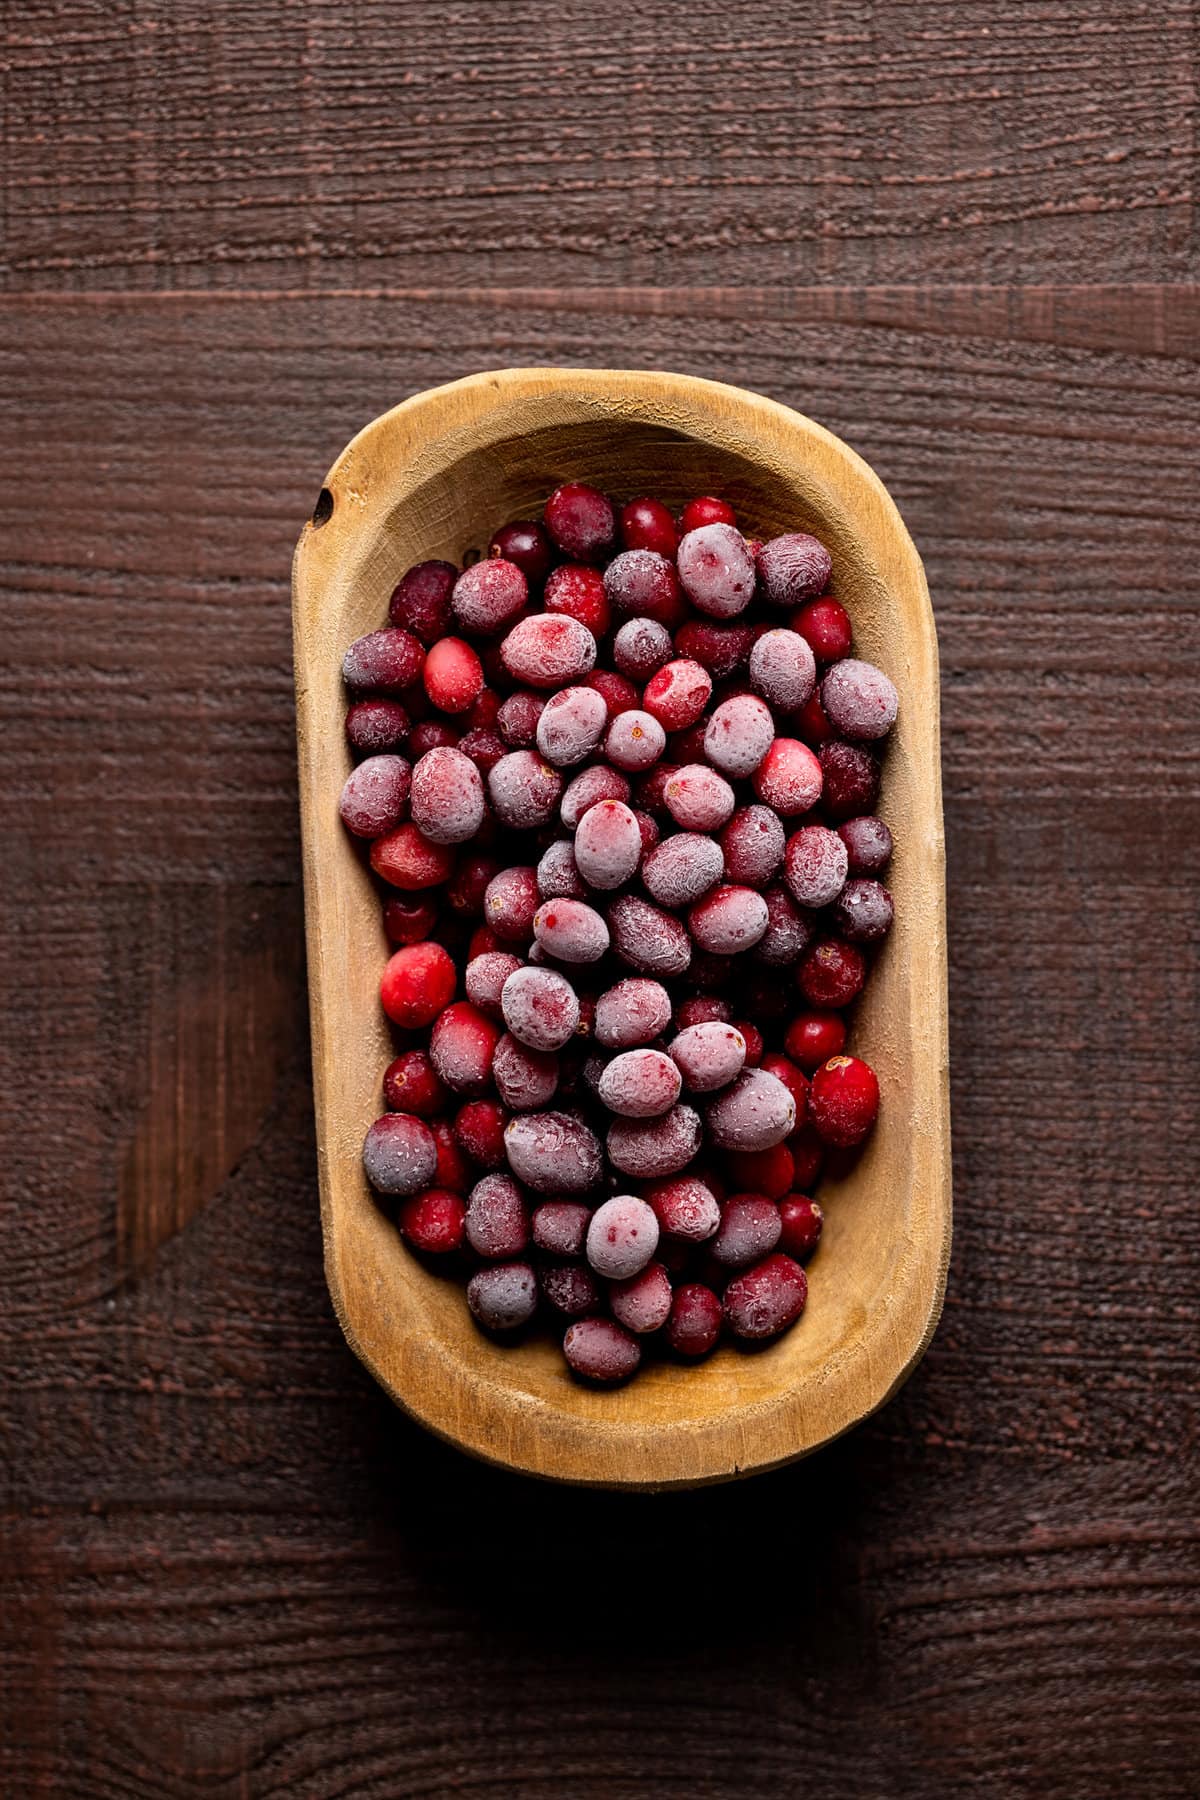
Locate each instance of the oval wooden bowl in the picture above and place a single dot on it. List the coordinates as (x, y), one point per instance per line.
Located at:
(432, 478)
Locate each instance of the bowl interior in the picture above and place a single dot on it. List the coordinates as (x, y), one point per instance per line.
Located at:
(437, 487)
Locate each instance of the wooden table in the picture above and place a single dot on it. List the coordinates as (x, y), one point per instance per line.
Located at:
(962, 236)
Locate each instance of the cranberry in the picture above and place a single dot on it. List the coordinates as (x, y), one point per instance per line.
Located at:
(650, 790)
(525, 1079)
(418, 982)
(553, 1153)
(489, 596)
(766, 1299)
(549, 650)
(560, 1227)
(517, 719)
(510, 902)
(717, 570)
(374, 727)
(570, 1288)
(801, 1220)
(647, 1149)
(793, 568)
(694, 1324)
(571, 931)
(485, 749)
(580, 520)
(640, 1084)
(384, 661)
(770, 1172)
(600, 1350)
(504, 1296)
(808, 1157)
(410, 1084)
(678, 694)
(578, 591)
(526, 544)
(433, 1221)
(859, 700)
(730, 920)
(432, 734)
(608, 844)
(789, 930)
(647, 938)
(844, 1100)
(453, 675)
(698, 799)
(497, 1218)
(462, 1044)
(851, 780)
(641, 647)
(420, 601)
(635, 740)
(750, 1229)
(641, 584)
(399, 1154)
(814, 865)
(699, 1009)
(739, 735)
(831, 974)
(587, 789)
(649, 525)
(705, 510)
(792, 1078)
(825, 626)
(408, 860)
(864, 912)
(633, 1012)
(571, 724)
(721, 649)
(622, 1237)
(813, 1037)
(709, 1056)
(754, 1042)
(454, 1171)
(641, 1303)
(447, 802)
(524, 790)
(479, 1128)
(755, 1113)
(681, 868)
(811, 724)
(408, 921)
(375, 797)
(558, 876)
(617, 691)
(485, 978)
(788, 778)
(868, 844)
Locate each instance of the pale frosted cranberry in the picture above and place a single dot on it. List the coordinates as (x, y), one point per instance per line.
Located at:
(571, 725)
(517, 720)
(793, 567)
(649, 525)
(694, 1324)
(504, 1296)
(588, 788)
(825, 626)
(510, 902)
(642, 584)
(578, 591)
(859, 700)
(752, 845)
(813, 1037)
(525, 790)
(617, 691)
(832, 973)
(608, 844)
(801, 1220)
(844, 1100)
(750, 1230)
(453, 675)
(375, 727)
(678, 693)
(488, 595)
(525, 542)
(681, 868)
(789, 930)
(548, 650)
(571, 931)
(709, 1056)
(685, 1207)
(635, 740)
(602, 1351)
(717, 570)
(570, 1288)
(647, 938)
(384, 662)
(640, 1084)
(580, 520)
(447, 800)
(375, 797)
(420, 600)
(721, 649)
(634, 1012)
(641, 647)
(479, 1130)
(408, 920)
(526, 1080)
(461, 1045)
(814, 865)
(485, 978)
(433, 1221)
(698, 799)
(643, 1302)
(648, 1148)
(417, 983)
(864, 912)
(557, 876)
(699, 1009)
(851, 780)
(497, 1224)
(755, 1113)
(540, 1008)
(728, 921)
(622, 1237)
(763, 1301)
(560, 1226)
(789, 777)
(783, 669)
(706, 510)
(770, 1172)
(400, 1157)
(868, 844)
(553, 1153)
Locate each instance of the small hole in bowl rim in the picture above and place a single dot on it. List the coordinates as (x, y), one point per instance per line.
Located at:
(322, 512)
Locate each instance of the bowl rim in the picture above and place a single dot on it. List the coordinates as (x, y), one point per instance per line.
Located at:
(482, 400)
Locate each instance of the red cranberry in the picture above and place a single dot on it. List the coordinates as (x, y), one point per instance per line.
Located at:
(633, 1012)
(622, 1237)
(525, 1079)
(384, 661)
(581, 522)
(558, 876)
(649, 525)
(454, 1171)
(617, 691)
(832, 973)
(510, 902)
(447, 802)
(739, 735)
(682, 868)
(375, 727)
(453, 675)
(647, 938)
(694, 1324)
(808, 1157)
(698, 799)
(571, 725)
(639, 1084)
(801, 1219)
(788, 778)
(526, 544)
(421, 600)
(765, 1300)
(578, 591)
(813, 1037)
(417, 983)
(641, 647)
(517, 720)
(730, 920)
(721, 649)
(812, 727)
(587, 789)
(770, 1172)
(462, 1044)
(699, 1009)
(678, 694)
(431, 734)
(485, 749)
(851, 780)
(489, 595)
(600, 1350)
(540, 1008)
(570, 1288)
(571, 931)
(868, 844)
(479, 1128)
(825, 626)
(524, 790)
(789, 930)
(709, 1056)
(844, 1100)
(641, 584)
(608, 845)
(410, 1084)
(641, 1303)
(408, 921)
(814, 865)
(705, 510)
(433, 1221)
(635, 740)
(685, 1207)
(864, 912)
(754, 1042)
(792, 1078)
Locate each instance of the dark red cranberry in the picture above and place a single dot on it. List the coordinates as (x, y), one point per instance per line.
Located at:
(766, 1299)
(431, 734)
(580, 521)
(525, 543)
(770, 1172)
(468, 886)
(705, 511)
(868, 844)
(844, 1100)
(825, 626)
(850, 780)
(831, 973)
(408, 918)
(410, 1084)
(801, 1219)
(454, 1170)
(375, 727)
(434, 1221)
(387, 661)
(811, 724)
(649, 525)
(813, 1037)
(808, 1157)
(694, 1324)
(421, 600)
(479, 1128)
(863, 912)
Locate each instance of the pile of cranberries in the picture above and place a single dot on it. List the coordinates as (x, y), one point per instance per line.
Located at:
(619, 780)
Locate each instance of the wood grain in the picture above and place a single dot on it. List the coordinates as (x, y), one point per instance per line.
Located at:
(227, 1566)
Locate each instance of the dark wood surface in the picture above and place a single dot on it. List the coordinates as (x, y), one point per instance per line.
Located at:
(960, 235)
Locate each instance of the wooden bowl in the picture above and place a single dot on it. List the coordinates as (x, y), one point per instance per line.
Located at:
(432, 478)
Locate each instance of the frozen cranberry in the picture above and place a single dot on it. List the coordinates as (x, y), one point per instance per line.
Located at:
(485, 978)
(868, 844)
(698, 799)
(375, 727)
(479, 1128)
(699, 1010)
(485, 749)
(789, 777)
(770, 1172)
(844, 1100)
(859, 700)
(578, 591)
(453, 675)
(540, 1007)
(454, 1171)
(560, 1226)
(864, 912)
(755, 1113)
(375, 797)
(648, 828)
(417, 983)
(553, 1153)
(721, 649)
(484, 710)
(557, 875)
(793, 568)
(488, 595)
(765, 1300)
(634, 1012)
(706, 511)
(399, 1154)
(433, 1221)
(622, 1237)
(408, 860)
(810, 723)
(635, 740)
(649, 525)
(801, 1220)
(570, 1288)
(717, 570)
(447, 797)
(510, 903)
(571, 725)
(813, 1037)
(709, 1056)
(685, 1207)
(385, 661)
(681, 868)
(641, 584)
(825, 626)
(549, 650)
(783, 669)
(678, 694)
(730, 920)
(420, 600)
(587, 789)
(524, 790)
(814, 865)
(647, 938)
(517, 720)
(750, 1229)
(617, 691)
(752, 845)
(580, 520)
(789, 930)
(851, 780)
(602, 1351)
(650, 790)
(526, 1080)
(608, 844)
(808, 1157)
(497, 1223)
(571, 931)
(792, 1078)
(642, 1302)
(526, 544)
(640, 1084)
(408, 921)
(649, 1148)
(832, 973)
(461, 1045)
(481, 941)
(431, 734)
(641, 647)
(694, 1324)
(754, 1042)
(410, 1084)
(504, 1296)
